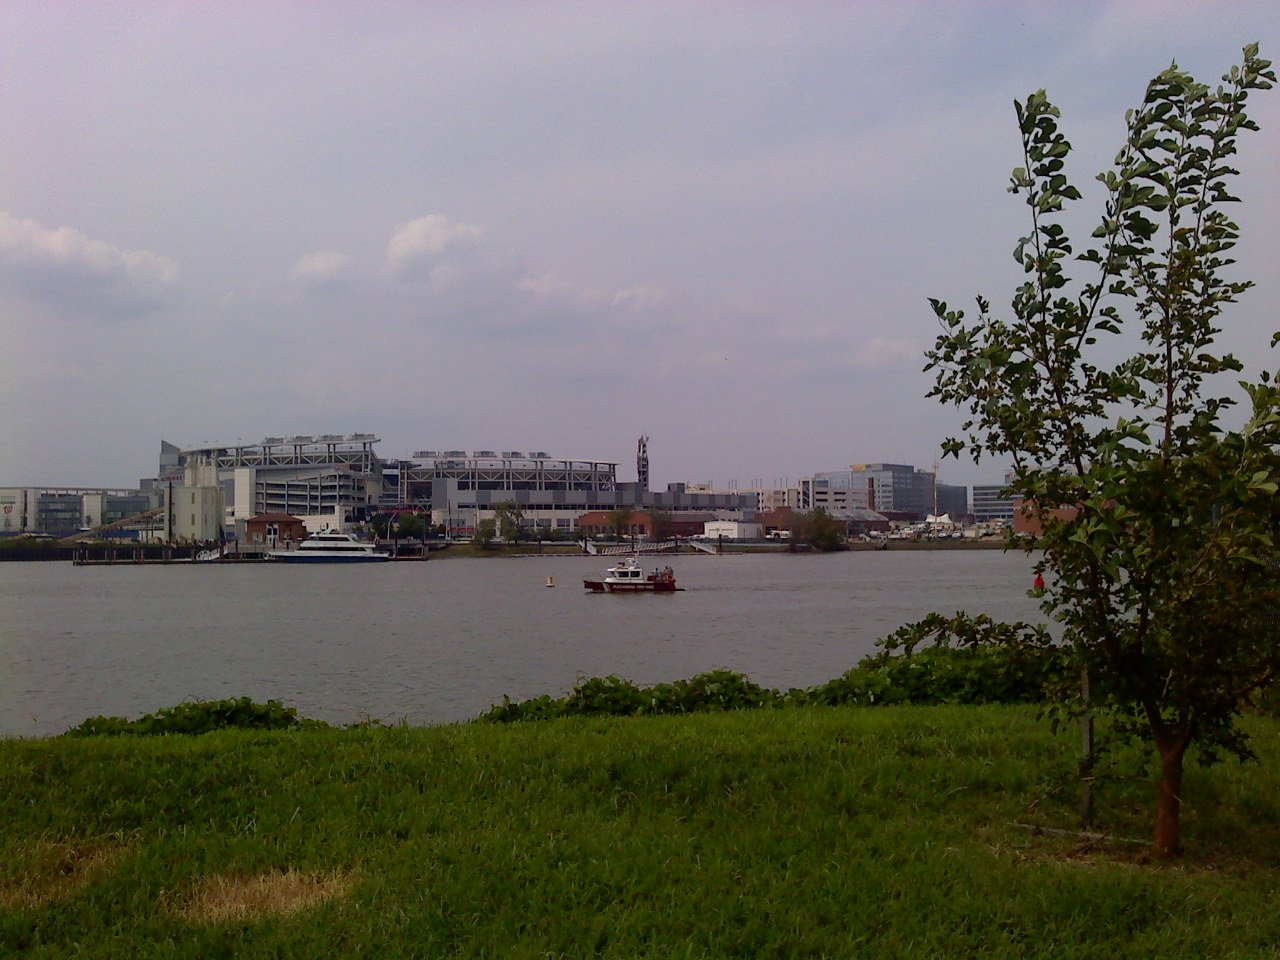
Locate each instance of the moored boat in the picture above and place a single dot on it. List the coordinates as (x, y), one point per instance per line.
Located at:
(629, 577)
(329, 546)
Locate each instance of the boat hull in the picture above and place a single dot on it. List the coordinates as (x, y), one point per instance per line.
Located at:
(294, 557)
(602, 586)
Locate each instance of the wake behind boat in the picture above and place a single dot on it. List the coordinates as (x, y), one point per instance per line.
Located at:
(629, 577)
(330, 546)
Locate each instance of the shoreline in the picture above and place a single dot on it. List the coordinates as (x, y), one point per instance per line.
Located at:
(126, 556)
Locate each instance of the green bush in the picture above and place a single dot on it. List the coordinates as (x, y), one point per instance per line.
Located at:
(714, 691)
(604, 697)
(968, 675)
(943, 675)
(612, 696)
(197, 718)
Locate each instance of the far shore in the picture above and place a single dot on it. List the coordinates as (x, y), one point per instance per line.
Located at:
(129, 552)
(574, 549)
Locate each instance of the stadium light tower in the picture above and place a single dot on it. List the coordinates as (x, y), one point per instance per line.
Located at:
(642, 463)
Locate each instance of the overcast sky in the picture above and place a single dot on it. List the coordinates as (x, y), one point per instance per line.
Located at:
(544, 226)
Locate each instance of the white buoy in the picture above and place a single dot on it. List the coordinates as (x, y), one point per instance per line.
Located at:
(551, 582)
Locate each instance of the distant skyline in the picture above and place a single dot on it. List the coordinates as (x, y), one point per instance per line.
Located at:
(551, 226)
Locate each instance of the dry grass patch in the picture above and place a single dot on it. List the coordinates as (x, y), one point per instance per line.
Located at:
(277, 893)
(52, 870)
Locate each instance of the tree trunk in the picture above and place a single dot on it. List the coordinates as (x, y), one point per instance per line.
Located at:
(1168, 842)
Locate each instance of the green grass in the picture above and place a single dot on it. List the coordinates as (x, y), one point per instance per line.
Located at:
(780, 833)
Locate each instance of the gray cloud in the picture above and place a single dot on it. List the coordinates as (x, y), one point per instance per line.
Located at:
(64, 267)
(731, 213)
(326, 268)
(432, 249)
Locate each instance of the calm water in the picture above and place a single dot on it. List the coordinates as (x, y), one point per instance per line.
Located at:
(442, 640)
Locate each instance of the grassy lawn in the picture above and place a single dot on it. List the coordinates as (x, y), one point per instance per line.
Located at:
(802, 832)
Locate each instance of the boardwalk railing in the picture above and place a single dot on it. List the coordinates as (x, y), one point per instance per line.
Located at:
(627, 549)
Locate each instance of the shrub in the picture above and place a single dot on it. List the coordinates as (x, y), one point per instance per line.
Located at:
(714, 691)
(197, 718)
(942, 675)
(604, 697)
(968, 675)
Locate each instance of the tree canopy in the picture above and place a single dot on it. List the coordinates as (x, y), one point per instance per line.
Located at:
(819, 530)
(1105, 390)
(509, 517)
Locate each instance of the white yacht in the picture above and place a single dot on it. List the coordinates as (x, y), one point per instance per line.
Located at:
(329, 546)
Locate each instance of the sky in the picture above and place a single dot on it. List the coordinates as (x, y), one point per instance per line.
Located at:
(546, 226)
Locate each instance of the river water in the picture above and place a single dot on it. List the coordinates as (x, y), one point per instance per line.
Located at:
(442, 640)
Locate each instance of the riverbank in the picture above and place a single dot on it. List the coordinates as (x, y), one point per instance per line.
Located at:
(894, 833)
(572, 549)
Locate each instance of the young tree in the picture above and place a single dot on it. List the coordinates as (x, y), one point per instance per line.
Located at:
(620, 520)
(818, 529)
(510, 520)
(662, 526)
(411, 525)
(1104, 395)
(485, 532)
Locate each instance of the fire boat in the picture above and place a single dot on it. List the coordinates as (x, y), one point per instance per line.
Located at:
(629, 577)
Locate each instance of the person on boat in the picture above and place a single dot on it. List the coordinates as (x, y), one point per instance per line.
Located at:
(1038, 585)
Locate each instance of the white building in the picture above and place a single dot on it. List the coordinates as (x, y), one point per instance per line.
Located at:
(732, 530)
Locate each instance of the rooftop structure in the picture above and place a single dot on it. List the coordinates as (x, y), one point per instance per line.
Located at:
(353, 449)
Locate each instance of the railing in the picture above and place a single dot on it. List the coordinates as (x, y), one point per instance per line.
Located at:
(625, 549)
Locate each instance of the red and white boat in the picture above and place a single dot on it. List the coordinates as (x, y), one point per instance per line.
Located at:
(629, 577)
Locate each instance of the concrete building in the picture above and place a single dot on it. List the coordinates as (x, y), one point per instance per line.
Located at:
(992, 502)
(952, 500)
(193, 514)
(640, 524)
(767, 498)
(732, 530)
(19, 508)
(65, 511)
(462, 488)
(870, 486)
(837, 492)
(327, 480)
